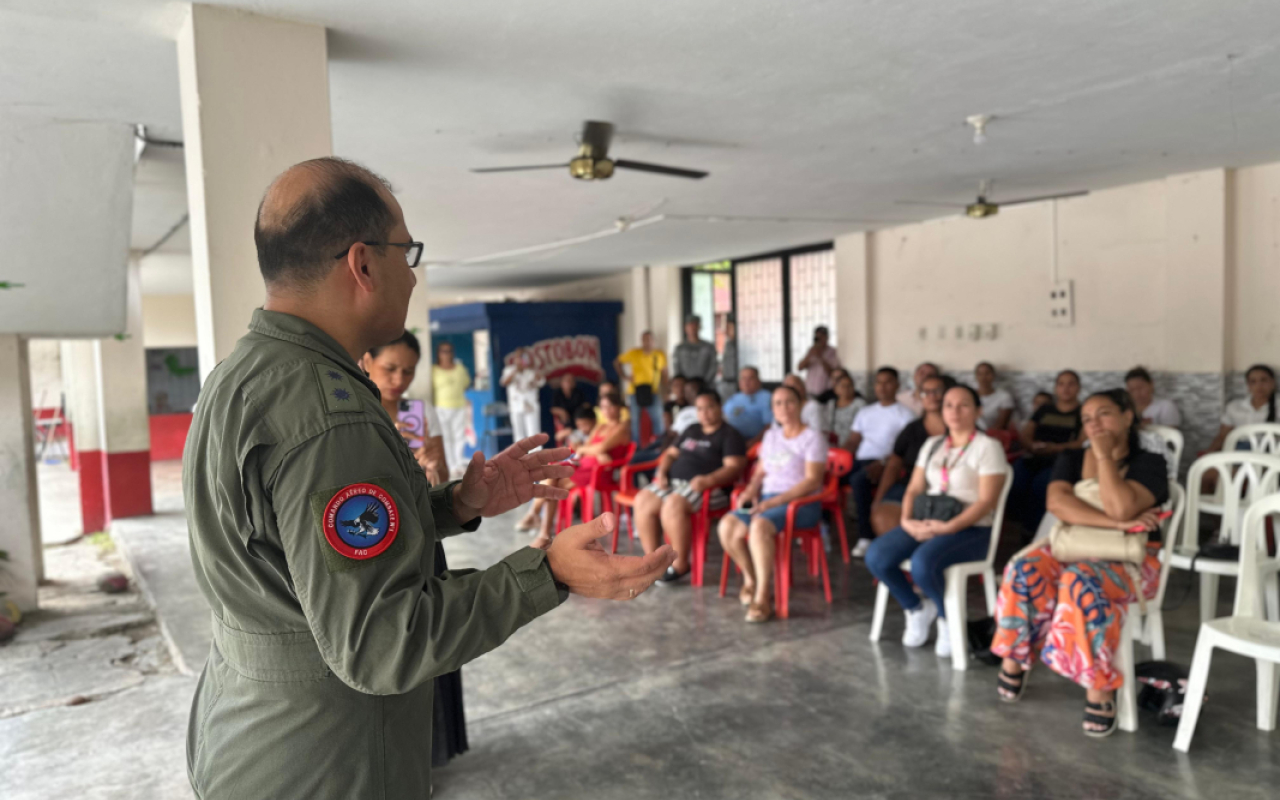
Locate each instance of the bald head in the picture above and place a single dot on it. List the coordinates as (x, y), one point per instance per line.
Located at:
(311, 213)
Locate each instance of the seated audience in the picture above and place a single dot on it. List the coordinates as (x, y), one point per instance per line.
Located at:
(1259, 406)
(687, 416)
(604, 388)
(708, 455)
(793, 460)
(839, 412)
(875, 429)
(573, 437)
(1073, 613)
(749, 410)
(911, 397)
(963, 464)
(1040, 399)
(886, 505)
(996, 413)
(811, 410)
(1150, 409)
(607, 445)
(392, 367)
(566, 400)
(675, 392)
(1053, 428)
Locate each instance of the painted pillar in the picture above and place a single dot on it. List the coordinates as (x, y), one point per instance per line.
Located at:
(418, 322)
(106, 385)
(255, 101)
(853, 307)
(20, 533)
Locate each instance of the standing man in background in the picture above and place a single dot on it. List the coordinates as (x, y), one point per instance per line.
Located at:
(819, 363)
(522, 383)
(728, 383)
(313, 529)
(695, 358)
(645, 377)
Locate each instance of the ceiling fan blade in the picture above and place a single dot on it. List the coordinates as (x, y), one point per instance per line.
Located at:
(927, 203)
(675, 172)
(521, 169)
(801, 220)
(1021, 200)
(597, 135)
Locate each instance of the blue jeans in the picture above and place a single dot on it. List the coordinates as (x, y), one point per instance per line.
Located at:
(655, 417)
(864, 491)
(929, 561)
(1031, 478)
(807, 516)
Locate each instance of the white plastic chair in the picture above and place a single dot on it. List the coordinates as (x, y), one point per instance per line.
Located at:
(1262, 437)
(957, 577)
(1244, 632)
(1147, 628)
(1174, 444)
(1243, 477)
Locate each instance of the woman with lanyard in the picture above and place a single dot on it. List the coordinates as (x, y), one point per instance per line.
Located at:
(946, 517)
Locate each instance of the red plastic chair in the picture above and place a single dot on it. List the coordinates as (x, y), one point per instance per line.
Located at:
(603, 483)
(838, 458)
(625, 496)
(1008, 440)
(810, 538)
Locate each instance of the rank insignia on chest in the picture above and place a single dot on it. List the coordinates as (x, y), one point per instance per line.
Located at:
(361, 521)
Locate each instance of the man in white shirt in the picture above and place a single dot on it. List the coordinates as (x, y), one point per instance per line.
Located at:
(522, 383)
(871, 441)
(911, 397)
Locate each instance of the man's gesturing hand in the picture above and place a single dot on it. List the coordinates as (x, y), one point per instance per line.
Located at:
(509, 479)
(578, 561)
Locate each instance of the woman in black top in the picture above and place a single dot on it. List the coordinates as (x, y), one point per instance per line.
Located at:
(1054, 428)
(1073, 613)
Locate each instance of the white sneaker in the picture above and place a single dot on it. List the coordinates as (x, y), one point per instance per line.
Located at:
(942, 645)
(919, 622)
(860, 549)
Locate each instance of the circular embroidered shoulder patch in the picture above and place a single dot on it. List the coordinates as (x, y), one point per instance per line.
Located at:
(361, 521)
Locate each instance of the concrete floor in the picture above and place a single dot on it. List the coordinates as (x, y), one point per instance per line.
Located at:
(674, 696)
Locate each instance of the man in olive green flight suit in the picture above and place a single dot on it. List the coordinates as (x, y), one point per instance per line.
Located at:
(313, 527)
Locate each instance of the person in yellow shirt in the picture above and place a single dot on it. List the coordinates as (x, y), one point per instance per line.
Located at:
(449, 382)
(644, 378)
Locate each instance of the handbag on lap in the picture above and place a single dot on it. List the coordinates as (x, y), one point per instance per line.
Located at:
(1086, 543)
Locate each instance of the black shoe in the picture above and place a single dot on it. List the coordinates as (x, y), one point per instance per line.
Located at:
(671, 577)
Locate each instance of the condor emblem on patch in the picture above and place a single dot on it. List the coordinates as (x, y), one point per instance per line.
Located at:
(361, 521)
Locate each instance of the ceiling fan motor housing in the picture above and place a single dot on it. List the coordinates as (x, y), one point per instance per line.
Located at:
(981, 209)
(586, 168)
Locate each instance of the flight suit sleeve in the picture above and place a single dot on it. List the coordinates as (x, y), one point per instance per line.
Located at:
(383, 623)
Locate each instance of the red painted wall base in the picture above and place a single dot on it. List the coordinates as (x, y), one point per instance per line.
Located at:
(113, 486)
(93, 503)
(168, 435)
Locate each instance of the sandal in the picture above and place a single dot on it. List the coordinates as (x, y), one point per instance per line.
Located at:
(1090, 718)
(747, 596)
(1015, 685)
(760, 612)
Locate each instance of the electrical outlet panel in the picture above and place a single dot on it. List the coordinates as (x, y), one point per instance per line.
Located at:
(1062, 304)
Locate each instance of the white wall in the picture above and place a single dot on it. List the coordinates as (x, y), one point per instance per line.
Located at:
(168, 320)
(1254, 291)
(45, 357)
(1149, 263)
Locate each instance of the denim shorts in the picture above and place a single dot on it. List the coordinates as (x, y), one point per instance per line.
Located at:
(807, 516)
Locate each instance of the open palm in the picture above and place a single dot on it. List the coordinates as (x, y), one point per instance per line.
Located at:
(513, 477)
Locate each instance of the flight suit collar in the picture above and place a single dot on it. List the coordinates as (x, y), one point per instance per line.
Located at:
(297, 330)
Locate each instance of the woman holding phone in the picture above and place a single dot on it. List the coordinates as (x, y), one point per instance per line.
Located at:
(392, 368)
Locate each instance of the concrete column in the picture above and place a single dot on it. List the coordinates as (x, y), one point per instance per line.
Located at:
(853, 305)
(106, 386)
(20, 533)
(418, 322)
(255, 100)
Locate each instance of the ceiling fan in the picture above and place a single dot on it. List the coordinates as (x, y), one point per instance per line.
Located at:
(982, 207)
(593, 162)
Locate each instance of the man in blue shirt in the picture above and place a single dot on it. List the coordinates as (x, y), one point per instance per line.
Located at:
(750, 410)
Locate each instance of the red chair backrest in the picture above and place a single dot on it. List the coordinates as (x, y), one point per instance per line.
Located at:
(839, 464)
(603, 478)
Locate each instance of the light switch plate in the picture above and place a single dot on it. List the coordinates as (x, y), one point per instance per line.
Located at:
(1062, 305)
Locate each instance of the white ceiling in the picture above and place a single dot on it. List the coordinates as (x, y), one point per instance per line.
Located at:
(810, 108)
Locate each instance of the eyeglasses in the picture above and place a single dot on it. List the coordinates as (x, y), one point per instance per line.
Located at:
(412, 252)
